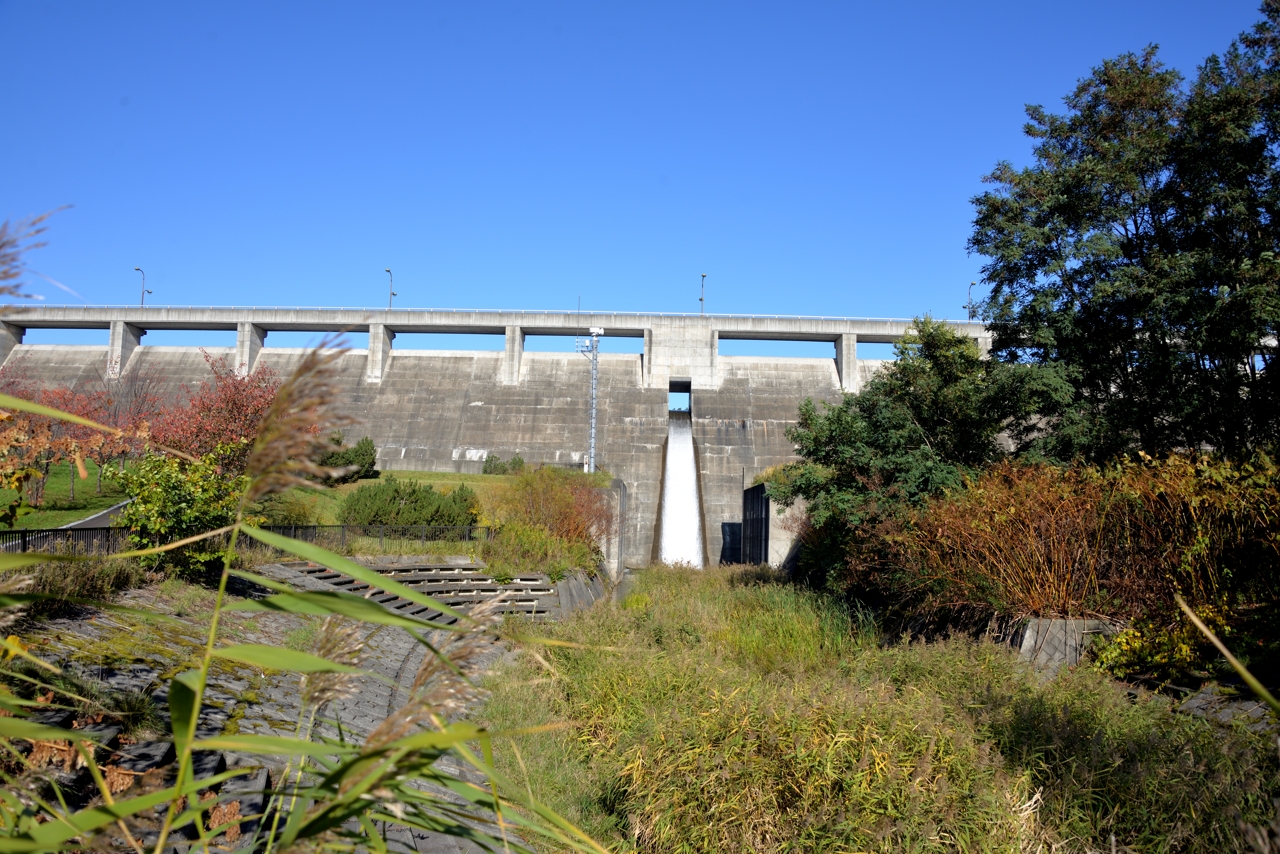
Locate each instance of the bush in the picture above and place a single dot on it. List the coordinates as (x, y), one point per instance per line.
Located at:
(288, 508)
(361, 458)
(174, 499)
(402, 502)
(1050, 541)
(493, 464)
(569, 504)
(519, 549)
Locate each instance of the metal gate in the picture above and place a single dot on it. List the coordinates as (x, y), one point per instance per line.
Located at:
(755, 526)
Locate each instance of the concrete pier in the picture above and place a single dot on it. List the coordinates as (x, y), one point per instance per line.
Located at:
(447, 410)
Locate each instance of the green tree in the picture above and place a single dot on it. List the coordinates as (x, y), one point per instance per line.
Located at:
(173, 499)
(1136, 255)
(917, 428)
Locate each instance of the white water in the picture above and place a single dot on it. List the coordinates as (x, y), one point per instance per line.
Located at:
(681, 513)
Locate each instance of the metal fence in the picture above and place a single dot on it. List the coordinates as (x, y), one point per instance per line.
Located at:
(101, 541)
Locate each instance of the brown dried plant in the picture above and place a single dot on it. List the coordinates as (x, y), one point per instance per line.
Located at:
(445, 683)
(296, 428)
(17, 239)
(339, 640)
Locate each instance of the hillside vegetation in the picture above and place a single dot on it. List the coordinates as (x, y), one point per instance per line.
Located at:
(724, 712)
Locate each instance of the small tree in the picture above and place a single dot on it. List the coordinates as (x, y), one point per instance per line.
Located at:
(174, 499)
(224, 412)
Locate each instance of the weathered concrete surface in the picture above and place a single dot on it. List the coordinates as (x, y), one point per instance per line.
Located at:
(448, 410)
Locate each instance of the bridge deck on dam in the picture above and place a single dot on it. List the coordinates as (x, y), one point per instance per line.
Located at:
(448, 410)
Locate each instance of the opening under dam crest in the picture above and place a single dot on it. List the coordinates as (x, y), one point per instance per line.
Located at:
(681, 505)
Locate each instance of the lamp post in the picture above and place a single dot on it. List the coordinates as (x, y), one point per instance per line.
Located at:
(391, 288)
(702, 300)
(143, 301)
(969, 305)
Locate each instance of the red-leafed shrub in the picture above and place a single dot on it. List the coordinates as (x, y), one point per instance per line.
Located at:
(223, 411)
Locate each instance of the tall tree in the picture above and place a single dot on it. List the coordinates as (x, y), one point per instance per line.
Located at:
(1136, 255)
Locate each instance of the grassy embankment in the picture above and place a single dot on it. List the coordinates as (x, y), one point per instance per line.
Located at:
(58, 509)
(708, 714)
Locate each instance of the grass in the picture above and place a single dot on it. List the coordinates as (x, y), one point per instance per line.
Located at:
(58, 509)
(720, 712)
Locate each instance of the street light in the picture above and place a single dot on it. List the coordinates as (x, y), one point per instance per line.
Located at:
(969, 305)
(143, 300)
(391, 288)
(702, 300)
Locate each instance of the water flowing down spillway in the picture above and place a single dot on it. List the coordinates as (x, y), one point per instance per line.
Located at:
(681, 511)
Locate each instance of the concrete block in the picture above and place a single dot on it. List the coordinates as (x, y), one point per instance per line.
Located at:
(1051, 644)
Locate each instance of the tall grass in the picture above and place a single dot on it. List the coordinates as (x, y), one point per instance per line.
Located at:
(706, 714)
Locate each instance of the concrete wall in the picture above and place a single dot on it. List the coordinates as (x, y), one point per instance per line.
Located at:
(448, 410)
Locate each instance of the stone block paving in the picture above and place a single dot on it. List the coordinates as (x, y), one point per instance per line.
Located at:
(272, 705)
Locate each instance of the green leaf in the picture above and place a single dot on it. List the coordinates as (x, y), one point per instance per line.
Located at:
(349, 568)
(324, 602)
(271, 745)
(18, 561)
(10, 402)
(57, 832)
(264, 656)
(32, 731)
(183, 690)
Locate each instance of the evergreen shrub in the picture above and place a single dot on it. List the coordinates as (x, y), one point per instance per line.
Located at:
(402, 502)
(362, 457)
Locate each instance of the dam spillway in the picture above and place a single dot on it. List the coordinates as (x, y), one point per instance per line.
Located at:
(681, 541)
(446, 410)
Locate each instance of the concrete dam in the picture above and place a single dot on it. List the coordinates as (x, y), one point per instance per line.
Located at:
(447, 410)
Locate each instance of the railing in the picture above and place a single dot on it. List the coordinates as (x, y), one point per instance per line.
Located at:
(566, 313)
(104, 541)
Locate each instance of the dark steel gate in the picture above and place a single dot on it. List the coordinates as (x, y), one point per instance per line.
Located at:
(755, 526)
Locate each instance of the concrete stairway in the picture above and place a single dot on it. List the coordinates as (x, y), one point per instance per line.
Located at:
(458, 582)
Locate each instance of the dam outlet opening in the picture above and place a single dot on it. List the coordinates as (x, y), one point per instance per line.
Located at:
(681, 540)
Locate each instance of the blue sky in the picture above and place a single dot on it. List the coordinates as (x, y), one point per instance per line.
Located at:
(810, 158)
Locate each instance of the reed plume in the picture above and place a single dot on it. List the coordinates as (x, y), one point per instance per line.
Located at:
(295, 431)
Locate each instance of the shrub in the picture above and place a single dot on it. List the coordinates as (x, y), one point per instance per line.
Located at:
(361, 458)
(403, 502)
(519, 549)
(288, 508)
(174, 499)
(1039, 539)
(493, 464)
(569, 504)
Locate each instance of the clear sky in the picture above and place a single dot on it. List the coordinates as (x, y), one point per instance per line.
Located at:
(810, 158)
